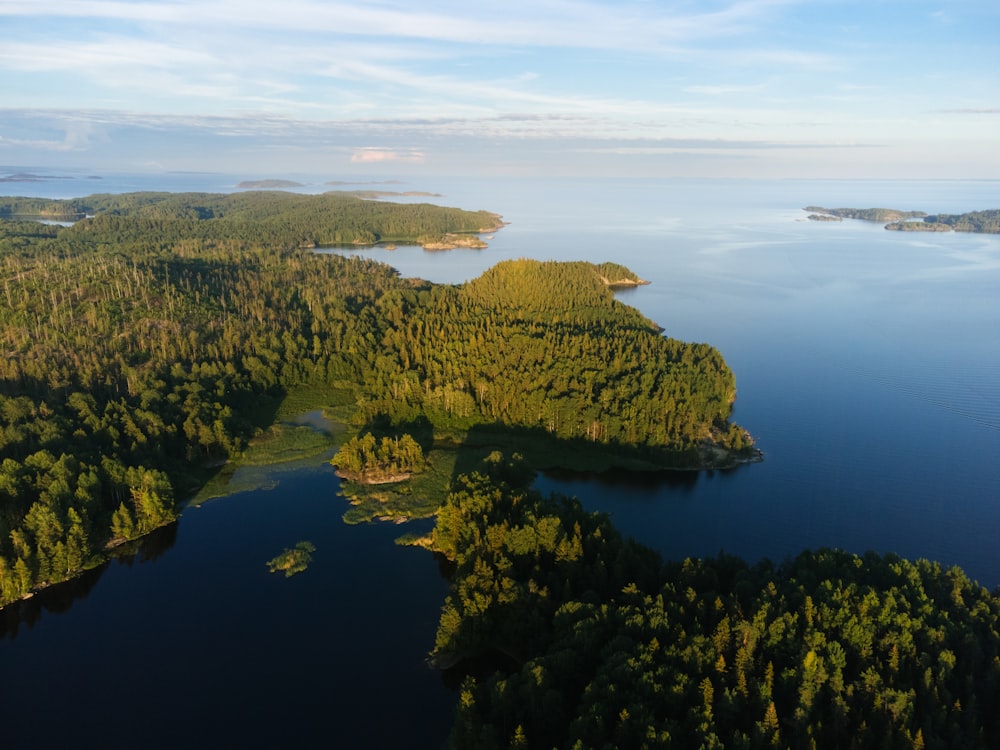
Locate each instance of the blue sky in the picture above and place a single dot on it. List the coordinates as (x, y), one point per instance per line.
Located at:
(713, 88)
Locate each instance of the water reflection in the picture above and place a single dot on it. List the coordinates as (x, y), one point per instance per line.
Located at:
(55, 599)
(61, 597)
(631, 481)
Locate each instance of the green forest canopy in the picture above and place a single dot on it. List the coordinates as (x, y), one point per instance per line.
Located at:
(573, 637)
(276, 219)
(139, 346)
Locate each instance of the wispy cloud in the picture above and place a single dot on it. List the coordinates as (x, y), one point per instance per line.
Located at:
(518, 22)
(971, 111)
(354, 58)
(404, 78)
(668, 146)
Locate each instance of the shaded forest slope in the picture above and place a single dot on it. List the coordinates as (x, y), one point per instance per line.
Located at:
(573, 637)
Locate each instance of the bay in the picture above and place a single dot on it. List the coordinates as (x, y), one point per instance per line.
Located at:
(868, 369)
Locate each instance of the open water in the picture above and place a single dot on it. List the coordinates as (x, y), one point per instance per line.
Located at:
(867, 366)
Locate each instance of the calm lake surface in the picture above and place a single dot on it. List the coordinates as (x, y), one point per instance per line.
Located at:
(868, 369)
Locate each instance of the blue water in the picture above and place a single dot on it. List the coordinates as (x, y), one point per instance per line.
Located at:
(867, 361)
(868, 369)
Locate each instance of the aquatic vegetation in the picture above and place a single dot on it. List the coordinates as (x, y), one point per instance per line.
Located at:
(292, 561)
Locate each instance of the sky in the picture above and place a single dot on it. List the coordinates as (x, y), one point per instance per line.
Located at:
(647, 88)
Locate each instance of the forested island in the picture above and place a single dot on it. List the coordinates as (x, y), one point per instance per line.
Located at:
(292, 561)
(152, 343)
(864, 214)
(913, 221)
(973, 221)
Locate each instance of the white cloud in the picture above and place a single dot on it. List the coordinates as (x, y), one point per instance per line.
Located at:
(371, 155)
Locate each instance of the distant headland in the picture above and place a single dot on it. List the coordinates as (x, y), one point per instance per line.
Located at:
(267, 184)
(278, 184)
(31, 177)
(371, 194)
(987, 222)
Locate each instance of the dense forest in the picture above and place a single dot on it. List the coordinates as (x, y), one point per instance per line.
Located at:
(269, 218)
(571, 637)
(144, 346)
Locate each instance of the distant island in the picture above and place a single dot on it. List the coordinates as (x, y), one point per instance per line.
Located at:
(986, 222)
(29, 177)
(365, 182)
(272, 184)
(372, 194)
(865, 214)
(269, 184)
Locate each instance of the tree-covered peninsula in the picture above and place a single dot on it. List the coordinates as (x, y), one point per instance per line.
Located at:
(864, 214)
(144, 347)
(266, 218)
(913, 221)
(974, 221)
(569, 636)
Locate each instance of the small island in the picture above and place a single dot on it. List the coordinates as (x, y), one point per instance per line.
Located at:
(292, 561)
(452, 242)
(385, 460)
(984, 222)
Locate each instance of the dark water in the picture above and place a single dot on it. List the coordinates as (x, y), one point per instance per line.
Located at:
(202, 647)
(868, 368)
